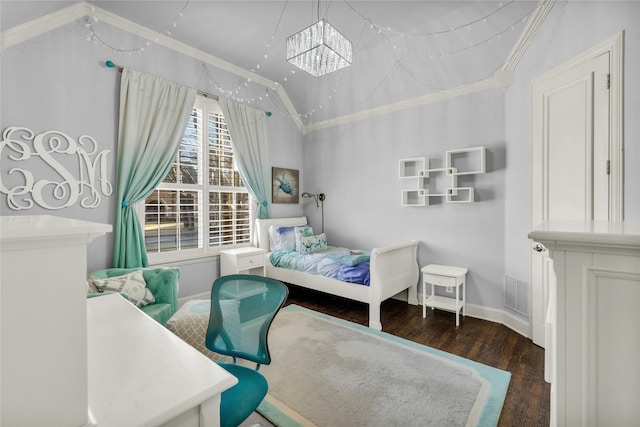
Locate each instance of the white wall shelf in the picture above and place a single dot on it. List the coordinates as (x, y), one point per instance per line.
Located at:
(460, 195)
(472, 161)
(413, 198)
(411, 168)
(465, 161)
(425, 173)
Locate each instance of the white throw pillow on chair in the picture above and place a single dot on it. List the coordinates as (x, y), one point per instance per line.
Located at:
(132, 284)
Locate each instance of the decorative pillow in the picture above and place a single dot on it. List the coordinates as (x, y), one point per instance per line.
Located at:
(91, 288)
(132, 284)
(310, 244)
(302, 231)
(282, 238)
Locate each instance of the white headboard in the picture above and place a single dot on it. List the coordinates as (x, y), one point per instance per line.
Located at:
(262, 228)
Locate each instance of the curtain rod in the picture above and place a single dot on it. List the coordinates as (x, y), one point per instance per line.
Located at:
(110, 64)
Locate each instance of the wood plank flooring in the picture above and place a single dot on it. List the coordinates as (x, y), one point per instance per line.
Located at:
(527, 402)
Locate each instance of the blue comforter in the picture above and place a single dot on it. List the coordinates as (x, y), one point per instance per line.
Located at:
(334, 262)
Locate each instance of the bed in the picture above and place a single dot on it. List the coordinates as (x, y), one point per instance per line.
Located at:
(393, 269)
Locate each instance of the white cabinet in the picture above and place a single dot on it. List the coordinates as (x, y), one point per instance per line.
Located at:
(466, 161)
(593, 320)
(43, 263)
(248, 260)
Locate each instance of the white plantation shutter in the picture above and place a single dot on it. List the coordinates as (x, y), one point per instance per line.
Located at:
(202, 185)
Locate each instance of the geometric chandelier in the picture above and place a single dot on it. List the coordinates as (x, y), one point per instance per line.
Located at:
(319, 49)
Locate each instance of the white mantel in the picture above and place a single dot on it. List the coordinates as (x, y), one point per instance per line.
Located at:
(43, 319)
(594, 318)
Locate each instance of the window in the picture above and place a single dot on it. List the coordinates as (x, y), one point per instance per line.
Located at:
(202, 204)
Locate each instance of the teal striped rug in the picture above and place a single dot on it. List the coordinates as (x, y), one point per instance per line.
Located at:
(328, 372)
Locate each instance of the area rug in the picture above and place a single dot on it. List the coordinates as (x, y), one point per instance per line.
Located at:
(328, 372)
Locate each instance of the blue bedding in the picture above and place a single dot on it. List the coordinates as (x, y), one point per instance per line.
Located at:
(334, 262)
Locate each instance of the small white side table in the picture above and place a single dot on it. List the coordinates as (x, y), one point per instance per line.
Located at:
(448, 277)
(247, 260)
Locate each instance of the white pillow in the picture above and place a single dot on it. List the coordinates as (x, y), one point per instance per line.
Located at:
(132, 284)
(282, 238)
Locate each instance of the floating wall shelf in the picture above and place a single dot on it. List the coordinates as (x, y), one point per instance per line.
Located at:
(466, 161)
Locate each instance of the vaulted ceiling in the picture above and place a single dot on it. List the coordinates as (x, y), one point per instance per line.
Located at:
(403, 50)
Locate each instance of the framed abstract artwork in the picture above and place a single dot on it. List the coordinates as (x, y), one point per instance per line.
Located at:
(284, 183)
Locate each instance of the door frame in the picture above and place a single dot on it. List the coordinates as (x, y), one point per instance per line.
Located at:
(615, 47)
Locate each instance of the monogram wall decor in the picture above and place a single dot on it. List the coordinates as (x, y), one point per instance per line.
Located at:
(47, 178)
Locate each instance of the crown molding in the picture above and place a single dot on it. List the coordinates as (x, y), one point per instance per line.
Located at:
(491, 83)
(502, 79)
(44, 24)
(528, 33)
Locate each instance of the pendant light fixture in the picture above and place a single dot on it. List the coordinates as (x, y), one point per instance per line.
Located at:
(319, 49)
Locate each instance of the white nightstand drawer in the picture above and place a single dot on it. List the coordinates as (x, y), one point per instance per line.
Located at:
(440, 280)
(245, 260)
(250, 261)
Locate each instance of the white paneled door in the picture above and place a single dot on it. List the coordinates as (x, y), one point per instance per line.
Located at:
(570, 159)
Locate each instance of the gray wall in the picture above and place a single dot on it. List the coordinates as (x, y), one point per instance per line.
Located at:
(58, 81)
(356, 166)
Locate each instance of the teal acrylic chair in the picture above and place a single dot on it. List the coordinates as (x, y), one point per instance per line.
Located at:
(161, 281)
(242, 309)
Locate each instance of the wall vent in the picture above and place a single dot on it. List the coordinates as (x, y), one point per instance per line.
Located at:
(516, 296)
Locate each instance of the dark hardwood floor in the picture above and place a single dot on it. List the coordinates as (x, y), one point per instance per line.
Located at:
(527, 402)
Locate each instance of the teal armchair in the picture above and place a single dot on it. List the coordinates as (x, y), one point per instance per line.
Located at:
(163, 284)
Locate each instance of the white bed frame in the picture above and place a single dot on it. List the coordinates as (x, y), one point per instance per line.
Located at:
(393, 269)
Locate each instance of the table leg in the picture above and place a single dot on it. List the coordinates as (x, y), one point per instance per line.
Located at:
(464, 297)
(424, 299)
(457, 309)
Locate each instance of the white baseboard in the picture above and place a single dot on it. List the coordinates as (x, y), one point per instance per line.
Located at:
(509, 320)
(503, 317)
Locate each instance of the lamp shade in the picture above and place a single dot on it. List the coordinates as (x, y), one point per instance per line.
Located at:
(319, 49)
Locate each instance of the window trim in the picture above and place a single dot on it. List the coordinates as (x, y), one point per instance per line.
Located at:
(206, 252)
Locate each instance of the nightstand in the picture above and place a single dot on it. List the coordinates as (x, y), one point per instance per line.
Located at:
(450, 278)
(248, 260)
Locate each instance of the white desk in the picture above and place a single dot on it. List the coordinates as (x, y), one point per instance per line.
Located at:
(140, 374)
